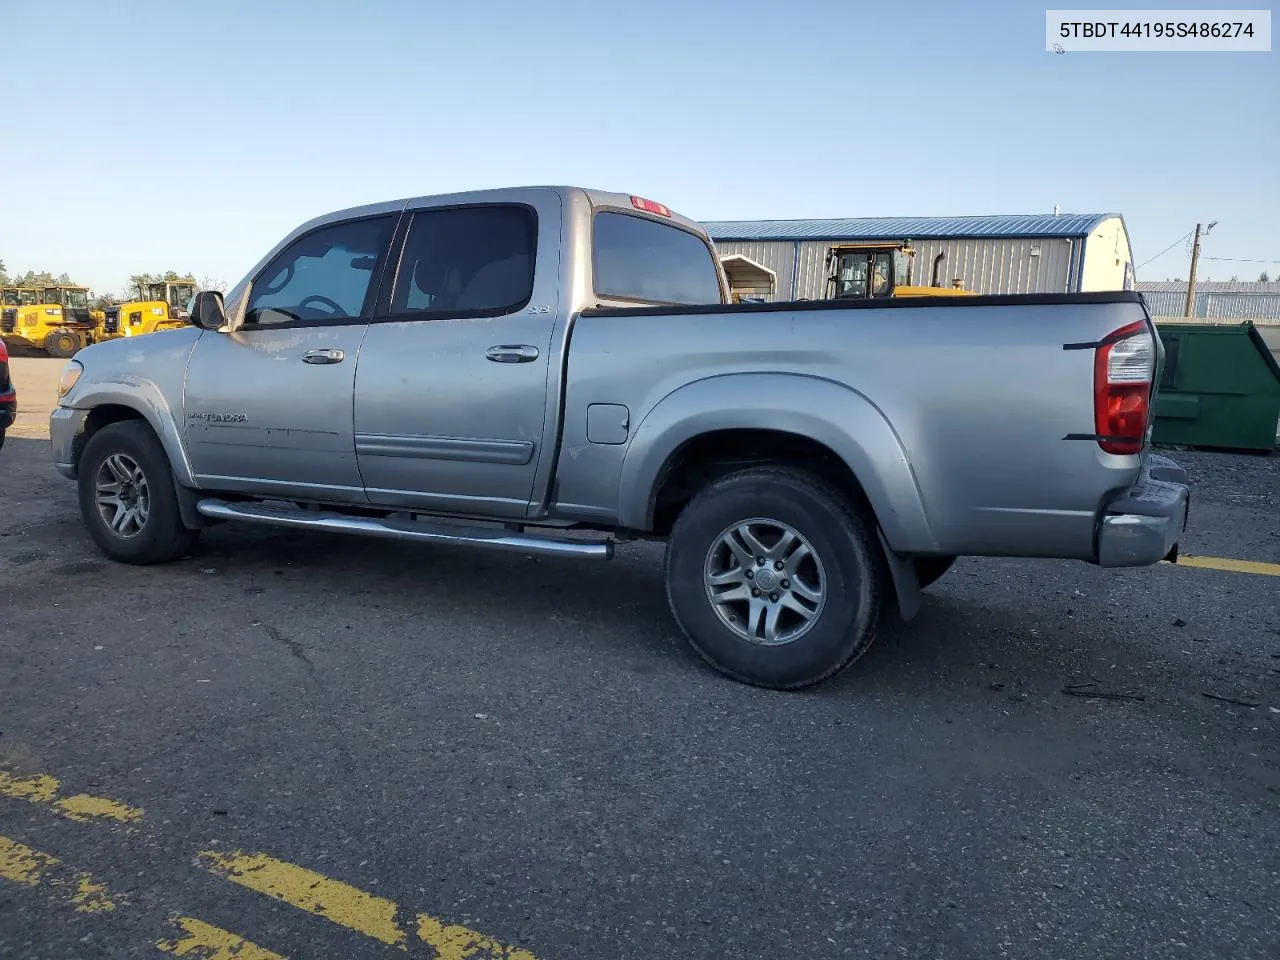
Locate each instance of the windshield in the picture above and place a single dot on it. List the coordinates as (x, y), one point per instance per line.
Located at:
(28, 298)
(180, 295)
(151, 291)
(76, 299)
(51, 295)
(9, 298)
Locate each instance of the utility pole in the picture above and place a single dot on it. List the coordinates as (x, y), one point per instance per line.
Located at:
(1191, 278)
(1195, 259)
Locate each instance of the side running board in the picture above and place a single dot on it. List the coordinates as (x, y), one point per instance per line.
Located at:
(419, 530)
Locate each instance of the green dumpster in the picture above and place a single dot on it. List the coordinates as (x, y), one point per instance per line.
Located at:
(1220, 387)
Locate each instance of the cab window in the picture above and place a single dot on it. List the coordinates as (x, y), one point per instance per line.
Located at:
(466, 262)
(640, 259)
(325, 276)
(851, 276)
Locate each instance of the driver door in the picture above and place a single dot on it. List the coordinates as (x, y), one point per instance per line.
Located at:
(268, 407)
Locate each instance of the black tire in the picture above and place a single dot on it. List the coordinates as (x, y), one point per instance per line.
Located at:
(161, 536)
(2, 433)
(61, 343)
(929, 570)
(853, 573)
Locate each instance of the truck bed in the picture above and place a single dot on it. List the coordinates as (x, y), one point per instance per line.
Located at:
(970, 406)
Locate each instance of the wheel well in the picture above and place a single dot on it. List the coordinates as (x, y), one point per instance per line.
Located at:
(709, 456)
(98, 418)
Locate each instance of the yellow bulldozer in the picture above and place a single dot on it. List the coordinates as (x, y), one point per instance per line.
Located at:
(55, 319)
(867, 271)
(156, 305)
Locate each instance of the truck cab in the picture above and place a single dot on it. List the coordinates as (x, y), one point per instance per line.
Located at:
(878, 271)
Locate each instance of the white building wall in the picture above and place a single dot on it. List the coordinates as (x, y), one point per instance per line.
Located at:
(1106, 256)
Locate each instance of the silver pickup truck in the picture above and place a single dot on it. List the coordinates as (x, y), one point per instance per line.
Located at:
(511, 368)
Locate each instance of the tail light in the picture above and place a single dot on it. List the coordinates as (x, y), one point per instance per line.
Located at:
(650, 206)
(1124, 368)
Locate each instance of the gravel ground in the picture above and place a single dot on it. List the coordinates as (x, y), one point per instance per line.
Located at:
(527, 748)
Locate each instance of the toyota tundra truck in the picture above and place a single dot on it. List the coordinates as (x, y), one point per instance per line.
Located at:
(554, 370)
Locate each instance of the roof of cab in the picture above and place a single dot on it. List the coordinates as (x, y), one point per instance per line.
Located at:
(597, 198)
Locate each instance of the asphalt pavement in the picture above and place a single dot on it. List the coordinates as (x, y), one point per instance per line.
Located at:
(309, 746)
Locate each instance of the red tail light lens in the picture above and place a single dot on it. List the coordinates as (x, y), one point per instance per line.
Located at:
(1123, 371)
(649, 206)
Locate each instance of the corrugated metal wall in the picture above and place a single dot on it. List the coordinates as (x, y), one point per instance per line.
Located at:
(778, 256)
(1245, 306)
(985, 265)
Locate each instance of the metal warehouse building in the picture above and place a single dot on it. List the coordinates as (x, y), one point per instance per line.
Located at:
(1215, 299)
(1036, 253)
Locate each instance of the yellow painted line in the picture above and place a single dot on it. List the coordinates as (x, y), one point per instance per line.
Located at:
(37, 789)
(1230, 566)
(32, 868)
(42, 788)
(84, 807)
(204, 941)
(307, 890)
(351, 907)
(452, 942)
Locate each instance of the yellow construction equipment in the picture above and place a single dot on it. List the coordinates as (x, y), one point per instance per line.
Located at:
(157, 305)
(55, 319)
(873, 271)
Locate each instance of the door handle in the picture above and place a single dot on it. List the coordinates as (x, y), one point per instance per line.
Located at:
(512, 353)
(323, 356)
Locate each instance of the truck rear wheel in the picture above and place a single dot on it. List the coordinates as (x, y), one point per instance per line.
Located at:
(61, 343)
(127, 496)
(775, 577)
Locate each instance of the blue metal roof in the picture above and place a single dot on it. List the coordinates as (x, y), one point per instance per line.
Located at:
(910, 228)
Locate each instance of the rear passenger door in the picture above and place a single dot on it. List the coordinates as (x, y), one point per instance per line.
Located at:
(451, 389)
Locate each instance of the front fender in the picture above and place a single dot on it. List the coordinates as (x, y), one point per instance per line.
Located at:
(148, 400)
(821, 410)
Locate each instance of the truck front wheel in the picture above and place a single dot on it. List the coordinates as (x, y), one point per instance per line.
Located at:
(127, 496)
(775, 577)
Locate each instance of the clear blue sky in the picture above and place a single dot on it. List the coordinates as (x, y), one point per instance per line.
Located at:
(242, 119)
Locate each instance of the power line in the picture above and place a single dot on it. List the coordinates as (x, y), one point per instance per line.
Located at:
(1166, 249)
(1238, 260)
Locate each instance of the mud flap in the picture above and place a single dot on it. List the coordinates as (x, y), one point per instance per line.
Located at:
(905, 583)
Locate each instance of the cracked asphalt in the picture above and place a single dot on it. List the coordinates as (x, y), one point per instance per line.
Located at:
(528, 749)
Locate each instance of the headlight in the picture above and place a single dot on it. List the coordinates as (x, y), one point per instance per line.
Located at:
(70, 376)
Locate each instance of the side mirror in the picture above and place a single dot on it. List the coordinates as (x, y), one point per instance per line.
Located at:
(208, 311)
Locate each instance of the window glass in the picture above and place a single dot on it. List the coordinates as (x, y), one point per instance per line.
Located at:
(639, 259)
(76, 299)
(467, 261)
(325, 275)
(180, 295)
(851, 276)
(880, 275)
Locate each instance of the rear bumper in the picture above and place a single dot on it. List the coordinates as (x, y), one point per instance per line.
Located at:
(1143, 525)
(8, 410)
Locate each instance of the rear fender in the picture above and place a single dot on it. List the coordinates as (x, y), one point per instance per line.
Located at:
(831, 414)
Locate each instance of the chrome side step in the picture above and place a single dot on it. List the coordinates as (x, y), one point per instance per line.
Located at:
(421, 531)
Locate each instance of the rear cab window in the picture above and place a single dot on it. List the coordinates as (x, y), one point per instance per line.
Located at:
(646, 261)
(463, 262)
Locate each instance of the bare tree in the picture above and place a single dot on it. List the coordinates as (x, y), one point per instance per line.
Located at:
(208, 282)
